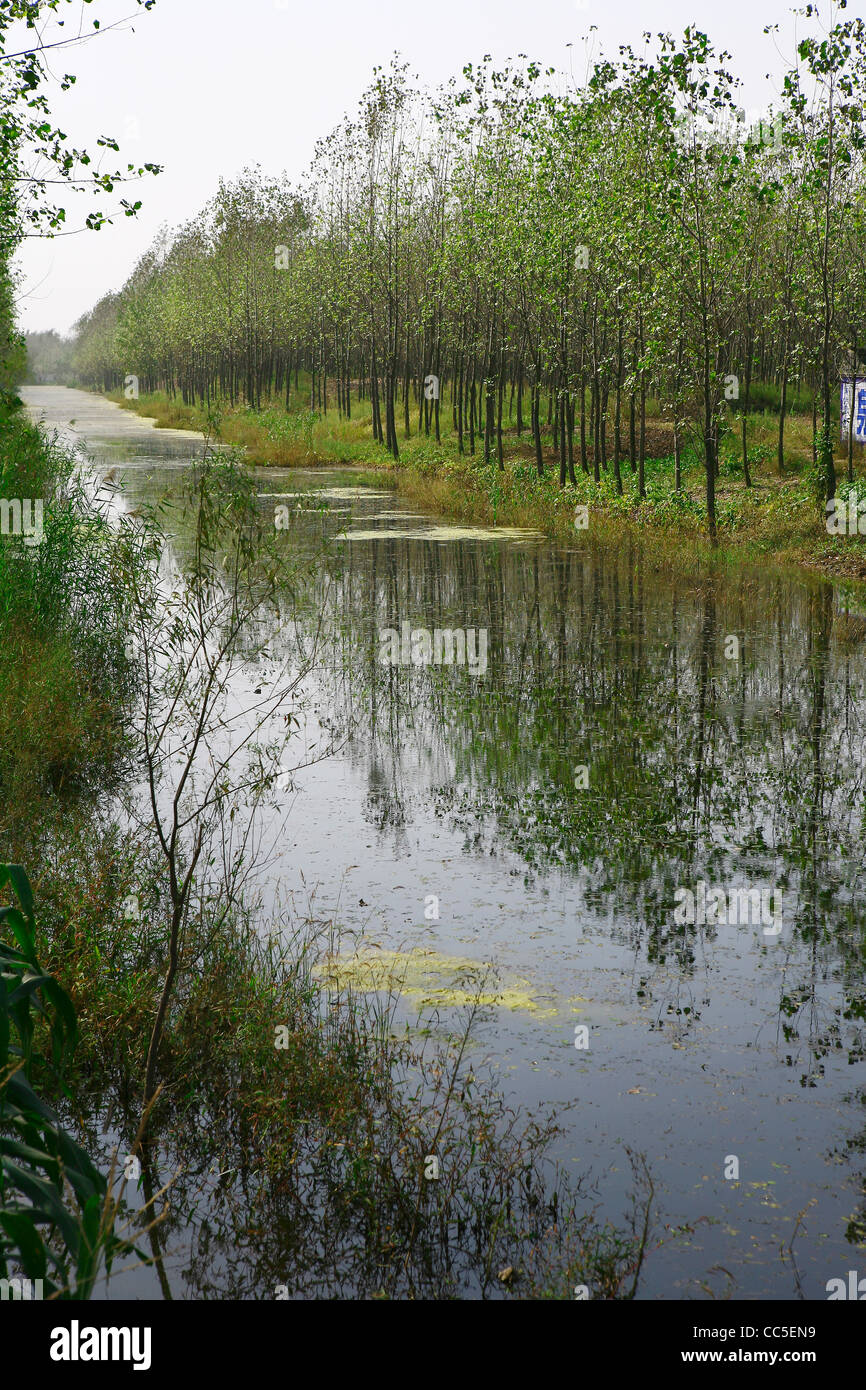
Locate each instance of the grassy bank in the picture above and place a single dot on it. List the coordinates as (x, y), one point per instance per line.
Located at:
(63, 675)
(776, 516)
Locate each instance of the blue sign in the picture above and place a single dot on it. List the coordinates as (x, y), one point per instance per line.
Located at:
(859, 431)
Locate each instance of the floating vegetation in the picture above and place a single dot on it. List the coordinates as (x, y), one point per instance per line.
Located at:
(444, 533)
(435, 980)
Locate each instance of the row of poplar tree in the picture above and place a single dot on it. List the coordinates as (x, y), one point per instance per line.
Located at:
(514, 241)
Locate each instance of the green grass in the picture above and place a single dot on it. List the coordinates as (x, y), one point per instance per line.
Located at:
(58, 1213)
(776, 516)
(63, 674)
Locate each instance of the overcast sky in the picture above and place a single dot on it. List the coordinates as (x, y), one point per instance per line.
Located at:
(205, 87)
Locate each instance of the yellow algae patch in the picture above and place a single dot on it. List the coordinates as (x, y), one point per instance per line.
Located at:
(435, 980)
(444, 533)
(396, 516)
(340, 492)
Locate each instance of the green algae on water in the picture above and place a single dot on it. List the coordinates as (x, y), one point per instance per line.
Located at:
(435, 980)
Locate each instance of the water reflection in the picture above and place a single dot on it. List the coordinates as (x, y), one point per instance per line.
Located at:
(720, 725)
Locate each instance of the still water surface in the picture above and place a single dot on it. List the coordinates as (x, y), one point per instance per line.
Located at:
(460, 792)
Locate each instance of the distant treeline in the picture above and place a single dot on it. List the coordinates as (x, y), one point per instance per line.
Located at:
(511, 241)
(49, 358)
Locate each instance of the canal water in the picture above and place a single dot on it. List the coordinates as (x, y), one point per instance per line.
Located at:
(640, 806)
